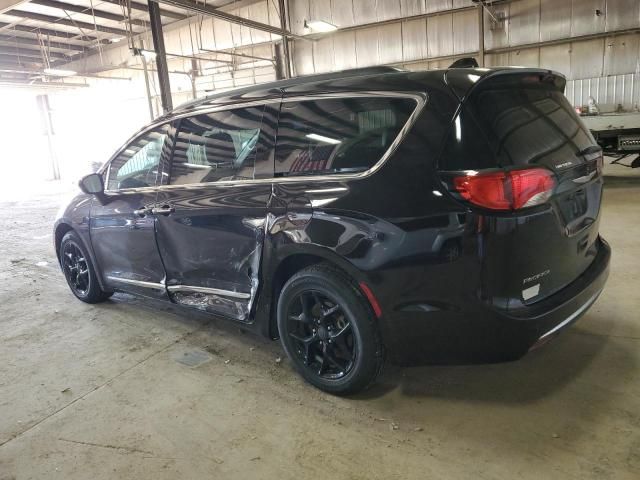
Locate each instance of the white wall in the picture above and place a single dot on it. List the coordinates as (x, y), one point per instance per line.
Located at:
(25, 153)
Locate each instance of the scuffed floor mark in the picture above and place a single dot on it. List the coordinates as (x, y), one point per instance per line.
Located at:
(123, 450)
(119, 448)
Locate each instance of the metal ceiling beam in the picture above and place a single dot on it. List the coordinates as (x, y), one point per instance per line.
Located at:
(561, 41)
(24, 52)
(235, 54)
(14, 74)
(22, 66)
(391, 21)
(217, 13)
(40, 84)
(29, 42)
(46, 31)
(6, 5)
(83, 26)
(143, 8)
(68, 7)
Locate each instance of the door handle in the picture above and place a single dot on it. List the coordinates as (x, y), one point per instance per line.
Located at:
(163, 210)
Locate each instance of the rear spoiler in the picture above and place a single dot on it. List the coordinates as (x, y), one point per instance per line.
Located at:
(463, 80)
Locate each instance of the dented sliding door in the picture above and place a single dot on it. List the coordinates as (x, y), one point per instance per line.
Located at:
(211, 244)
(211, 216)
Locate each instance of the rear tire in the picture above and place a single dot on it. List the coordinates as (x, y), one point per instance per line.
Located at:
(328, 330)
(79, 270)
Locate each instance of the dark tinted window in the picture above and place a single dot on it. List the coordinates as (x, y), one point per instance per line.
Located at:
(216, 146)
(337, 135)
(138, 164)
(512, 125)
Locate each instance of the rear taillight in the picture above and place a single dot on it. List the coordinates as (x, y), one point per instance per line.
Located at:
(506, 190)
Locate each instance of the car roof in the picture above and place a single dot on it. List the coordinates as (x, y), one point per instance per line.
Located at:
(358, 78)
(378, 78)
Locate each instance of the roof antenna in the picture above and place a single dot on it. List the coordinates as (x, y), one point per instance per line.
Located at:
(466, 62)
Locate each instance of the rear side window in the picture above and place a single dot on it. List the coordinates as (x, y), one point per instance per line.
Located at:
(515, 124)
(216, 146)
(337, 135)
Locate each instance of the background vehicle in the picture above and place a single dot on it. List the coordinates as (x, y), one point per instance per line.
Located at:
(617, 132)
(441, 216)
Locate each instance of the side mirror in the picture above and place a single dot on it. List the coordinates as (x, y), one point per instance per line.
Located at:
(92, 184)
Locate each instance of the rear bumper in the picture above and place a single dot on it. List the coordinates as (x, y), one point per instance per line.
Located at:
(486, 334)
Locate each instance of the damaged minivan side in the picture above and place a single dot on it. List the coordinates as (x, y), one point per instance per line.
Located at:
(372, 214)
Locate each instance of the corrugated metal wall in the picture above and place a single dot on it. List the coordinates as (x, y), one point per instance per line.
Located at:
(422, 42)
(610, 92)
(606, 67)
(416, 34)
(395, 42)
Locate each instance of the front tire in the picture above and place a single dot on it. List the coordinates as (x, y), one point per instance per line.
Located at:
(328, 330)
(79, 270)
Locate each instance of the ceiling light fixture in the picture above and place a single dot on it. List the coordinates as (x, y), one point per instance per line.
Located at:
(58, 72)
(322, 138)
(319, 26)
(116, 39)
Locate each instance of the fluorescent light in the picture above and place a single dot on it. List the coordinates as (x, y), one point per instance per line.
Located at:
(320, 26)
(59, 73)
(322, 138)
(197, 166)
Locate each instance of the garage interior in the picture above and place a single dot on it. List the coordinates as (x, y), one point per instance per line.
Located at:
(135, 389)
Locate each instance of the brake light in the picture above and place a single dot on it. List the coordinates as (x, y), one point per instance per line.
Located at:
(510, 190)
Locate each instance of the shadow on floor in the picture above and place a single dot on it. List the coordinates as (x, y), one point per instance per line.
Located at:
(539, 374)
(535, 376)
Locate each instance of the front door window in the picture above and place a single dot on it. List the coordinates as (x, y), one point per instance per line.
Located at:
(138, 164)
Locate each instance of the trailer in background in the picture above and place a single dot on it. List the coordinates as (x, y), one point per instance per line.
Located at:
(618, 133)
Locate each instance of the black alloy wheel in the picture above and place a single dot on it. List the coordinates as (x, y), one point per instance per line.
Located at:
(322, 333)
(79, 271)
(75, 268)
(328, 330)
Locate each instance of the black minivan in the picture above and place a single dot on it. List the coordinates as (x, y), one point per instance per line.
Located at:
(438, 216)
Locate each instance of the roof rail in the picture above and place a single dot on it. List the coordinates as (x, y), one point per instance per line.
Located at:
(353, 72)
(303, 79)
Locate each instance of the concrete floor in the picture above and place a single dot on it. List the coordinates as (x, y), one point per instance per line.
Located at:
(99, 392)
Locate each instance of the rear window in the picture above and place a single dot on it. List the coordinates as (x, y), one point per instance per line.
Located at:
(514, 124)
(337, 135)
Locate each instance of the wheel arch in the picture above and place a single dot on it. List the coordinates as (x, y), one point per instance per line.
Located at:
(60, 231)
(65, 227)
(291, 263)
